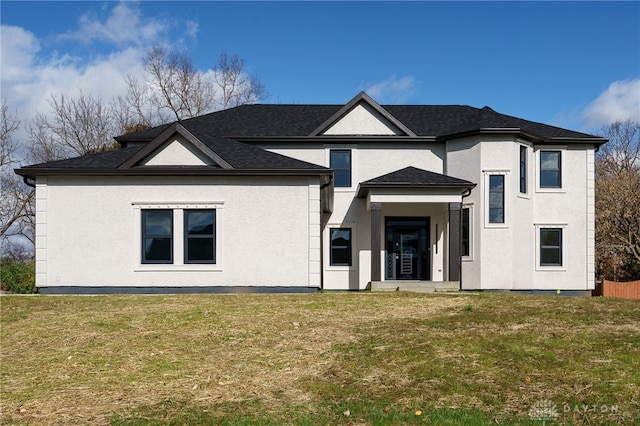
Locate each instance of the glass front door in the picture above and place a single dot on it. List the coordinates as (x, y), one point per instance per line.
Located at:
(407, 248)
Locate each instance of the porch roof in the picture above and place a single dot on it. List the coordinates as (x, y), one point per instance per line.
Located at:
(413, 177)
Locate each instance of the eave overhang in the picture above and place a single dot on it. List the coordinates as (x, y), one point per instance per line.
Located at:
(365, 188)
(528, 136)
(322, 139)
(170, 171)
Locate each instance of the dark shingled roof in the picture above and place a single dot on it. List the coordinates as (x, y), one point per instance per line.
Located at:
(223, 132)
(440, 121)
(243, 156)
(102, 160)
(413, 177)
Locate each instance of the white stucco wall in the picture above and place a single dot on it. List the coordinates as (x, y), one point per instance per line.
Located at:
(507, 256)
(363, 120)
(177, 152)
(369, 160)
(88, 231)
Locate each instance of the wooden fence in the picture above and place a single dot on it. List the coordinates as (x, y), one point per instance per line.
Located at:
(628, 290)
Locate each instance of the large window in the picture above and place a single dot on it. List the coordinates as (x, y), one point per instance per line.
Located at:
(523, 169)
(340, 162)
(199, 236)
(157, 236)
(550, 246)
(179, 235)
(466, 232)
(550, 169)
(340, 247)
(496, 199)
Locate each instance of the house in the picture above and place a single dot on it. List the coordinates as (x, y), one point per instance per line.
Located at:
(337, 197)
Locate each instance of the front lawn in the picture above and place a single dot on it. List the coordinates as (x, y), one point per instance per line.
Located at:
(316, 359)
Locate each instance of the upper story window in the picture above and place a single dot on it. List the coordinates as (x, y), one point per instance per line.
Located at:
(157, 236)
(340, 162)
(496, 198)
(523, 169)
(550, 169)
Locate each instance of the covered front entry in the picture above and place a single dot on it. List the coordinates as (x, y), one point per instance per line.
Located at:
(404, 205)
(407, 248)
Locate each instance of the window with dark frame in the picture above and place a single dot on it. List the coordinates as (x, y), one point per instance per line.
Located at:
(550, 169)
(523, 169)
(496, 198)
(157, 236)
(199, 236)
(340, 162)
(466, 241)
(340, 249)
(550, 246)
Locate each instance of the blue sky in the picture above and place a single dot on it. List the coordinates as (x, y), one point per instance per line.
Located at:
(571, 64)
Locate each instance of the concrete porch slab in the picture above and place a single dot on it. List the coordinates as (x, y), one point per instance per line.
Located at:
(416, 286)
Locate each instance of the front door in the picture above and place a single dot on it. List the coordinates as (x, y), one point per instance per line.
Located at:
(407, 248)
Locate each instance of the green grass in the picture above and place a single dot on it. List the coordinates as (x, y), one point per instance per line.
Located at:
(327, 358)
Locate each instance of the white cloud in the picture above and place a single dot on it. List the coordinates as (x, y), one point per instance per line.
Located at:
(29, 74)
(27, 79)
(18, 49)
(393, 89)
(124, 25)
(620, 101)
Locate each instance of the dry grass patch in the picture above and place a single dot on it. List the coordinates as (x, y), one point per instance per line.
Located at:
(274, 359)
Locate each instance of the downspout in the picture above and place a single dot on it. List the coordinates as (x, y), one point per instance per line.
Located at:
(323, 186)
(29, 181)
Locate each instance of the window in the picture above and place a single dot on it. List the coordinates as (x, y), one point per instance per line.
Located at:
(466, 246)
(157, 236)
(180, 236)
(523, 169)
(340, 162)
(550, 169)
(550, 246)
(199, 236)
(340, 247)
(496, 199)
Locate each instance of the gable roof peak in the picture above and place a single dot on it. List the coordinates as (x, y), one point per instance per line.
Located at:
(176, 128)
(360, 98)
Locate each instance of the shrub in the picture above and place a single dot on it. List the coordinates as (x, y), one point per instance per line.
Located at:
(17, 276)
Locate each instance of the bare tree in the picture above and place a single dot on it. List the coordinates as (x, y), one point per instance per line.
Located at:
(174, 89)
(235, 85)
(618, 202)
(9, 124)
(76, 126)
(16, 202)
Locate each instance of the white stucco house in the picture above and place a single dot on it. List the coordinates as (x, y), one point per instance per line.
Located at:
(336, 197)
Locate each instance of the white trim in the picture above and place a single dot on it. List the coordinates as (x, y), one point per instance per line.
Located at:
(354, 156)
(507, 186)
(178, 236)
(562, 150)
(564, 227)
(327, 245)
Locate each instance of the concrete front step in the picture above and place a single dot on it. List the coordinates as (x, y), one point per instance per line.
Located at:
(416, 286)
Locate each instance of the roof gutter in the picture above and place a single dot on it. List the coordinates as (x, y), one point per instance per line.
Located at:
(164, 171)
(364, 188)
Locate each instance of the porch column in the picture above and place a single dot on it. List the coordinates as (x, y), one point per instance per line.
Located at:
(455, 241)
(376, 213)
